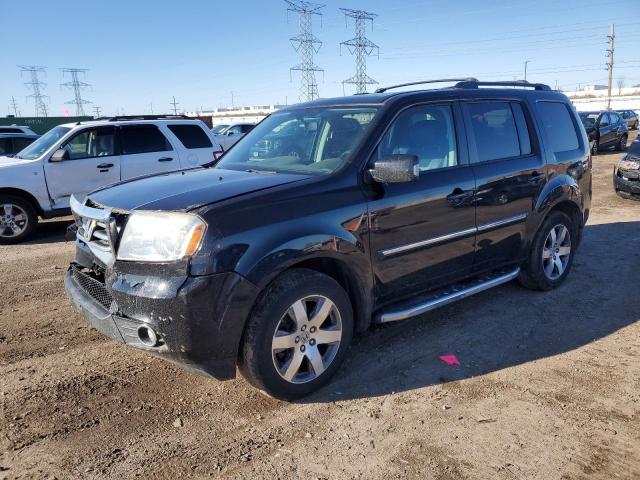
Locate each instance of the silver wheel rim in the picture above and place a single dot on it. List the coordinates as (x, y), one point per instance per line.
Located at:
(13, 220)
(556, 252)
(306, 339)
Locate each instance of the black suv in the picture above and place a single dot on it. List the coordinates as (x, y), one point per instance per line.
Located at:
(399, 203)
(12, 143)
(605, 129)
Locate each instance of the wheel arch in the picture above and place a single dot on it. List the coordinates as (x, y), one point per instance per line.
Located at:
(24, 194)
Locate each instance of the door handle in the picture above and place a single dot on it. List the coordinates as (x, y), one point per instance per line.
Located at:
(165, 159)
(459, 196)
(105, 165)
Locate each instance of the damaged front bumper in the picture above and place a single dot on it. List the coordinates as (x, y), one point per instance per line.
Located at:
(196, 322)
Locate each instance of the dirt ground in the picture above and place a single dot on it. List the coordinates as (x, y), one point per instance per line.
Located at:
(548, 386)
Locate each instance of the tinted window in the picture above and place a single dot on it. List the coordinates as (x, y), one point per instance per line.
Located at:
(143, 139)
(94, 142)
(10, 130)
(523, 129)
(605, 120)
(427, 132)
(247, 128)
(5, 146)
(191, 136)
(20, 143)
(558, 125)
(494, 130)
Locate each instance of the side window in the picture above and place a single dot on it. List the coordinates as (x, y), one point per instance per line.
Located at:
(605, 120)
(426, 131)
(233, 130)
(91, 143)
(5, 146)
(559, 127)
(494, 130)
(523, 129)
(191, 136)
(20, 143)
(247, 128)
(10, 130)
(143, 139)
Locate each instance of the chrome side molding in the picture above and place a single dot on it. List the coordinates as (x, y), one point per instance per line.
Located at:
(446, 298)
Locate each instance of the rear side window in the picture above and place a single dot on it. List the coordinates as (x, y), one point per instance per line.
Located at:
(494, 130)
(5, 146)
(10, 130)
(191, 136)
(20, 143)
(558, 126)
(143, 139)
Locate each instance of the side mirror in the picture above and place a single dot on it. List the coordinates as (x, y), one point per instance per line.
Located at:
(59, 155)
(396, 169)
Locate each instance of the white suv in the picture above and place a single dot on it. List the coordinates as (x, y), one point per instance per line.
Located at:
(77, 158)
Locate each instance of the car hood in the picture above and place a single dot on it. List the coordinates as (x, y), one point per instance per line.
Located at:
(187, 189)
(12, 161)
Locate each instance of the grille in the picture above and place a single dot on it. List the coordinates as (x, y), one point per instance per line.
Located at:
(94, 288)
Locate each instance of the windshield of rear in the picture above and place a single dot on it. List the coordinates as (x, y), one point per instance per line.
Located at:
(44, 143)
(309, 141)
(588, 119)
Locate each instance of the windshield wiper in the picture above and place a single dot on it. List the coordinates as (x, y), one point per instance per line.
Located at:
(265, 172)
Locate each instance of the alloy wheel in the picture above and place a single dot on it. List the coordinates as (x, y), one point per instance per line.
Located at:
(13, 220)
(556, 252)
(307, 339)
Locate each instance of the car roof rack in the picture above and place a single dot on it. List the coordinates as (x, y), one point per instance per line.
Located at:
(517, 83)
(120, 118)
(440, 80)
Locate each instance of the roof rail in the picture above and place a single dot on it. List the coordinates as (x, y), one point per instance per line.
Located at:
(441, 80)
(517, 83)
(120, 118)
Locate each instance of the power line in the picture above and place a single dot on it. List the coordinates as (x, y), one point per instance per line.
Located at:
(175, 105)
(307, 45)
(36, 86)
(96, 111)
(361, 47)
(77, 87)
(612, 38)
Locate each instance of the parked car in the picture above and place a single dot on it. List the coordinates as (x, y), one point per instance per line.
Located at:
(394, 208)
(605, 129)
(11, 143)
(217, 129)
(630, 117)
(232, 134)
(16, 129)
(626, 175)
(77, 158)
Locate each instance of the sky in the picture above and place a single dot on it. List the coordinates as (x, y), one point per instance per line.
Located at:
(141, 53)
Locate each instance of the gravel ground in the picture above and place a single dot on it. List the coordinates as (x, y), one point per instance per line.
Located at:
(548, 386)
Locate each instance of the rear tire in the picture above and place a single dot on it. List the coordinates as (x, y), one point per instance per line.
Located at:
(298, 334)
(551, 254)
(18, 219)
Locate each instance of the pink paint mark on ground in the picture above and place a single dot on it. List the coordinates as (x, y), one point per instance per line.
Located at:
(450, 359)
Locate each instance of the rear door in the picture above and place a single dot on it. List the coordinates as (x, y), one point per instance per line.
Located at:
(93, 161)
(197, 144)
(146, 150)
(510, 172)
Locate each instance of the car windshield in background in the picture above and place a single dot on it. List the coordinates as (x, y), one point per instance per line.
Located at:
(311, 141)
(589, 119)
(218, 129)
(44, 143)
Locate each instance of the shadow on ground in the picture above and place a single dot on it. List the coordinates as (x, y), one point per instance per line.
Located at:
(503, 327)
(50, 231)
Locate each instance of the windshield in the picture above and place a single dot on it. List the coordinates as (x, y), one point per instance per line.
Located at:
(589, 119)
(44, 143)
(311, 141)
(218, 129)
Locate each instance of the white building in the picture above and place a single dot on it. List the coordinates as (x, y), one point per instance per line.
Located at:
(247, 114)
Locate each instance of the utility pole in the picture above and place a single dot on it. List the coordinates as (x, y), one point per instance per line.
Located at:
(77, 86)
(36, 86)
(525, 69)
(361, 47)
(307, 45)
(14, 106)
(231, 99)
(612, 38)
(96, 111)
(175, 106)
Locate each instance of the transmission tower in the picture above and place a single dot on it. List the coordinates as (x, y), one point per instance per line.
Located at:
(175, 106)
(307, 45)
(77, 87)
(36, 87)
(96, 111)
(361, 47)
(14, 106)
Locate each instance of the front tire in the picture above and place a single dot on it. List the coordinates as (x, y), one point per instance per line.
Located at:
(18, 219)
(297, 335)
(622, 143)
(551, 254)
(595, 147)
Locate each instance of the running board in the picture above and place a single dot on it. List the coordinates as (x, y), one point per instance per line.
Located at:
(450, 295)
